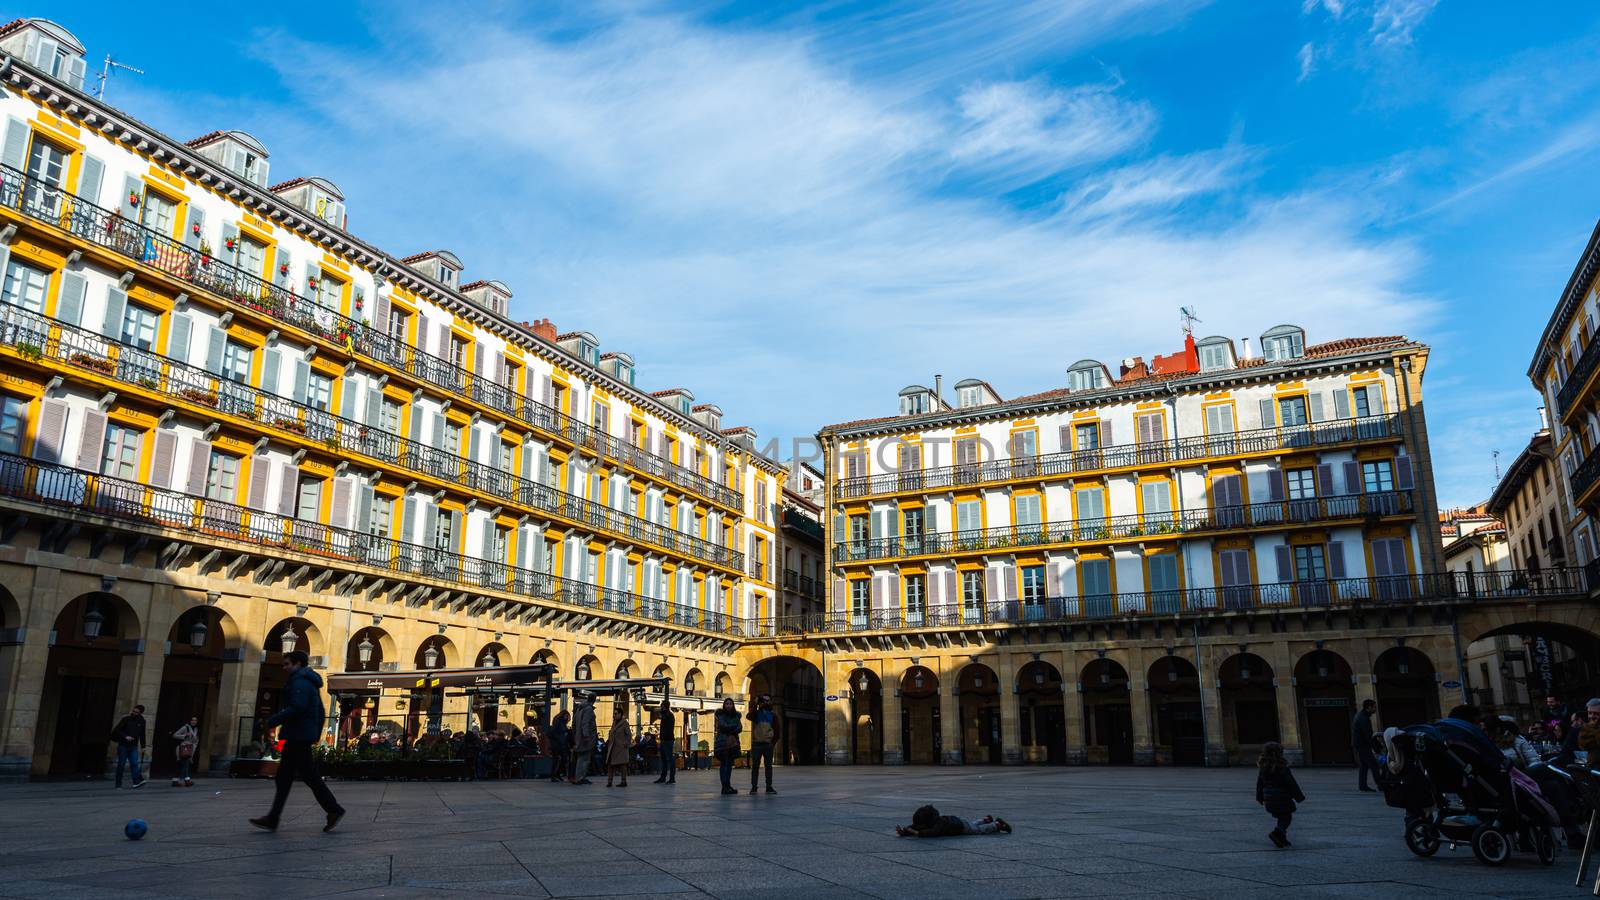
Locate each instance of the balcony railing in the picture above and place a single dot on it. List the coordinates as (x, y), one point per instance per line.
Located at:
(127, 501)
(1332, 593)
(806, 525)
(1585, 475)
(803, 585)
(1235, 443)
(36, 336)
(1116, 528)
(1582, 371)
(109, 229)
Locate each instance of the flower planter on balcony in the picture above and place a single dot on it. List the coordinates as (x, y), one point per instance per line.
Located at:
(97, 363)
(195, 395)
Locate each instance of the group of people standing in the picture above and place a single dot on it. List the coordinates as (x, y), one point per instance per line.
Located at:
(574, 738)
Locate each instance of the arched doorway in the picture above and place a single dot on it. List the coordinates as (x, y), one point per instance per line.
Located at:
(1325, 694)
(287, 635)
(425, 713)
(795, 687)
(979, 702)
(866, 718)
(1511, 670)
(626, 669)
(920, 737)
(1107, 713)
(83, 677)
(1249, 704)
(370, 649)
(191, 682)
(10, 645)
(486, 708)
(1407, 689)
(719, 686)
(1179, 723)
(1043, 711)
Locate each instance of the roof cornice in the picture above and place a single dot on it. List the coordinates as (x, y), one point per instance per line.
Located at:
(1577, 285)
(141, 138)
(1105, 396)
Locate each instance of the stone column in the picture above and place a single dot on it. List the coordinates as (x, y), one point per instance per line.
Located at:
(1144, 751)
(1281, 657)
(1072, 709)
(838, 728)
(236, 694)
(36, 592)
(893, 753)
(950, 732)
(1209, 664)
(1010, 712)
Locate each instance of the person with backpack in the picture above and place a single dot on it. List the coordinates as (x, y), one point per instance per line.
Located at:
(1277, 791)
(188, 738)
(763, 734)
(128, 735)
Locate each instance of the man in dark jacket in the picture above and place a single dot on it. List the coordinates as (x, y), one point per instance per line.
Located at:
(302, 719)
(585, 735)
(129, 738)
(668, 721)
(1361, 743)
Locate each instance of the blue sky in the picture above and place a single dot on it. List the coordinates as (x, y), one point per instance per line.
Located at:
(797, 210)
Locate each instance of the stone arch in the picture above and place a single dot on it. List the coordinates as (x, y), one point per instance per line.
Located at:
(627, 669)
(1042, 707)
(493, 654)
(720, 685)
(978, 700)
(369, 649)
(202, 646)
(587, 668)
(921, 739)
(307, 637)
(866, 716)
(117, 619)
(662, 671)
(444, 656)
(546, 656)
(1177, 723)
(795, 685)
(89, 681)
(10, 610)
(1248, 700)
(1107, 712)
(1405, 684)
(694, 682)
(1565, 618)
(1325, 701)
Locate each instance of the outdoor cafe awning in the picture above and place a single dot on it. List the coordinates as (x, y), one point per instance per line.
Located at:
(519, 677)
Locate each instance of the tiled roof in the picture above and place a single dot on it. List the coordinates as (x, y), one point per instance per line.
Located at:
(699, 406)
(296, 182)
(416, 257)
(573, 334)
(11, 26)
(203, 139)
(1313, 351)
(669, 391)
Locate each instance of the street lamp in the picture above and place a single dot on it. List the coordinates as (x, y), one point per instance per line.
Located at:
(197, 634)
(583, 670)
(1038, 676)
(863, 683)
(92, 622)
(977, 681)
(430, 657)
(364, 651)
(916, 681)
(488, 661)
(288, 640)
(1244, 671)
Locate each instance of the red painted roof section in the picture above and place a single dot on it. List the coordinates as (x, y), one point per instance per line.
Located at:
(203, 139)
(11, 26)
(293, 182)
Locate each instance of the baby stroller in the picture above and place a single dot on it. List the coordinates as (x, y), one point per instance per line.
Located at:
(1457, 787)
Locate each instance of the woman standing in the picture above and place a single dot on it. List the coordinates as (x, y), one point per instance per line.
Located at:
(618, 746)
(557, 746)
(188, 738)
(727, 747)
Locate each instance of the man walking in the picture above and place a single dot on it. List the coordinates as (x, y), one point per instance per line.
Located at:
(585, 734)
(763, 734)
(129, 738)
(302, 719)
(668, 722)
(1361, 742)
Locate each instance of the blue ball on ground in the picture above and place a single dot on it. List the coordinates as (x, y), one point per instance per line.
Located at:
(135, 829)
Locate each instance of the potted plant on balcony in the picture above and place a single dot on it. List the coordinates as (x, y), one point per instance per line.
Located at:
(199, 395)
(30, 351)
(90, 361)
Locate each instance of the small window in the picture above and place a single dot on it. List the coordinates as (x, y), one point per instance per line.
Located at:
(13, 424)
(967, 396)
(138, 327)
(222, 477)
(24, 286)
(1283, 342)
(1085, 379)
(1213, 357)
(319, 392)
(236, 363)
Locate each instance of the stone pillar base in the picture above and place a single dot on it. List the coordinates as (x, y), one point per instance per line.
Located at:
(1217, 757)
(1295, 756)
(1144, 756)
(14, 769)
(1012, 756)
(838, 757)
(952, 758)
(1079, 757)
(893, 758)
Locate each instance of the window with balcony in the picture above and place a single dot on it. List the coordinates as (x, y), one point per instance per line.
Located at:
(24, 286)
(1366, 401)
(308, 500)
(1310, 563)
(47, 166)
(138, 327)
(1302, 483)
(329, 292)
(121, 456)
(399, 322)
(1292, 411)
(252, 257)
(13, 424)
(1377, 475)
(389, 416)
(1096, 575)
(222, 477)
(319, 392)
(452, 439)
(860, 600)
(1033, 591)
(443, 536)
(382, 517)
(916, 598)
(972, 595)
(1087, 436)
(158, 214)
(458, 352)
(236, 362)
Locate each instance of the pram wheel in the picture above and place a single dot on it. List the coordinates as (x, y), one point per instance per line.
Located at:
(1490, 846)
(1422, 838)
(1544, 843)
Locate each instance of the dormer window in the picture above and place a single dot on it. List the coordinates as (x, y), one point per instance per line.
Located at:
(447, 275)
(1086, 375)
(683, 405)
(1215, 354)
(967, 396)
(237, 151)
(1283, 343)
(47, 47)
(625, 373)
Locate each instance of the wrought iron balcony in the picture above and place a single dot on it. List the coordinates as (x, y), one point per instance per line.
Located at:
(1117, 528)
(1332, 593)
(1236, 443)
(105, 228)
(1584, 476)
(1582, 371)
(68, 489)
(40, 337)
(806, 525)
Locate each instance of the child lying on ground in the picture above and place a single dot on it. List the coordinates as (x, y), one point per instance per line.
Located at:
(926, 822)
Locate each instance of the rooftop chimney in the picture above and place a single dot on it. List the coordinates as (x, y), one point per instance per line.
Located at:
(543, 328)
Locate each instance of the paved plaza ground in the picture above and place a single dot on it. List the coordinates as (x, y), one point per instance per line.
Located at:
(829, 834)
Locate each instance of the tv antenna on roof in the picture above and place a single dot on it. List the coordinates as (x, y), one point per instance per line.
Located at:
(110, 66)
(1189, 318)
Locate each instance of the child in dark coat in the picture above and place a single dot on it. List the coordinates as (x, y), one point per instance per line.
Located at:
(1277, 790)
(926, 822)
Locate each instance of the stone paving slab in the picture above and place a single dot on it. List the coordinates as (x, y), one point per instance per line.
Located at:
(829, 834)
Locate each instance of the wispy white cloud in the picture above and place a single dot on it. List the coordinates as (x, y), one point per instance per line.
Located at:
(1394, 21)
(1307, 58)
(773, 225)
